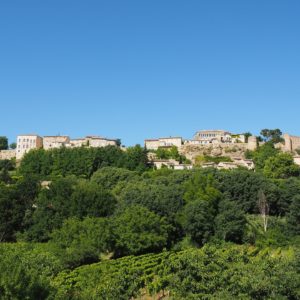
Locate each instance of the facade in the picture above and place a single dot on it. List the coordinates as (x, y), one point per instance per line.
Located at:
(170, 164)
(291, 143)
(213, 136)
(75, 143)
(7, 154)
(27, 142)
(92, 141)
(51, 142)
(97, 141)
(154, 144)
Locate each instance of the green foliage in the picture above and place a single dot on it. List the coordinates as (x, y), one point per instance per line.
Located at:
(3, 143)
(64, 198)
(262, 154)
(198, 220)
(230, 222)
(272, 135)
(281, 166)
(81, 242)
(13, 146)
(243, 186)
(81, 161)
(26, 271)
(138, 230)
(14, 203)
(293, 217)
(201, 186)
(109, 177)
(276, 235)
(208, 273)
(165, 200)
(201, 159)
(171, 153)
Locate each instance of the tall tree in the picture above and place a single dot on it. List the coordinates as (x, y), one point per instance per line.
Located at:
(272, 135)
(263, 207)
(3, 143)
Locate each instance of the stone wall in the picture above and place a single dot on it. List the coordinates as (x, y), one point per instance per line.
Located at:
(291, 142)
(7, 154)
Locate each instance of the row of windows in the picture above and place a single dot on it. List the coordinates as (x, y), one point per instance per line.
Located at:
(26, 140)
(25, 146)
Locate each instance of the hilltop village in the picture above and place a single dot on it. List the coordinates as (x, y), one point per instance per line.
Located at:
(208, 148)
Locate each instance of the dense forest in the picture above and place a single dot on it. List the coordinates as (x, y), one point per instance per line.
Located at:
(100, 223)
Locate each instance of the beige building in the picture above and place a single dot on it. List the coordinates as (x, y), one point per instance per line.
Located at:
(170, 164)
(291, 143)
(27, 142)
(97, 141)
(212, 136)
(154, 144)
(7, 154)
(92, 141)
(51, 142)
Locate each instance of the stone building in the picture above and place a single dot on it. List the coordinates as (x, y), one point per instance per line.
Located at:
(291, 143)
(27, 142)
(212, 136)
(51, 142)
(167, 142)
(7, 154)
(92, 141)
(97, 141)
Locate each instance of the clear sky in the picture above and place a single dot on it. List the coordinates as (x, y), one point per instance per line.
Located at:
(143, 69)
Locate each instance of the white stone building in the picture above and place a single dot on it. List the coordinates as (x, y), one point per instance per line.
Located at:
(97, 141)
(27, 142)
(7, 154)
(51, 142)
(213, 136)
(92, 141)
(167, 142)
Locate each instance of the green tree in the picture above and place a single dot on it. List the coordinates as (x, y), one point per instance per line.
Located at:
(136, 158)
(3, 143)
(198, 220)
(80, 242)
(281, 166)
(293, 217)
(15, 201)
(108, 177)
(262, 154)
(230, 222)
(272, 135)
(13, 146)
(138, 230)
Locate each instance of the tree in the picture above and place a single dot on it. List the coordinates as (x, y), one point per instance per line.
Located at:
(3, 143)
(108, 177)
(272, 135)
(138, 230)
(262, 154)
(15, 201)
(136, 158)
(198, 220)
(281, 166)
(88, 199)
(13, 146)
(247, 135)
(80, 242)
(230, 222)
(263, 207)
(293, 217)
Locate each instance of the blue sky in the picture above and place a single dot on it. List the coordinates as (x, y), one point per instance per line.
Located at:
(143, 69)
